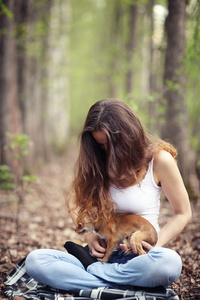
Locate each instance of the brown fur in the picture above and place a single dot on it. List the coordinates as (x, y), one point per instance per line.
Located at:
(119, 227)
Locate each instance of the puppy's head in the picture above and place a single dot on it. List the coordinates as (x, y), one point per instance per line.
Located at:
(83, 227)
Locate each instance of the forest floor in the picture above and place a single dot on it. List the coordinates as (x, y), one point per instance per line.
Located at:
(44, 223)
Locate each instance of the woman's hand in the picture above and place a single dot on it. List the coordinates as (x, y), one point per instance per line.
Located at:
(96, 245)
(146, 245)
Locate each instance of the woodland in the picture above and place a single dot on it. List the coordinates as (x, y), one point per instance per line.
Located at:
(57, 58)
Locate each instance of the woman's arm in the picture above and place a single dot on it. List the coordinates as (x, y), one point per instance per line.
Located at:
(166, 173)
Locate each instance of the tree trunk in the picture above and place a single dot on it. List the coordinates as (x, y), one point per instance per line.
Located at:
(57, 114)
(176, 127)
(131, 48)
(36, 80)
(114, 36)
(9, 109)
(153, 113)
(21, 19)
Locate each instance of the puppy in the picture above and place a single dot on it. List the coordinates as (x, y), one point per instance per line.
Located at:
(118, 228)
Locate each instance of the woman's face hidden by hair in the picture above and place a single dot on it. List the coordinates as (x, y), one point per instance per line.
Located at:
(101, 138)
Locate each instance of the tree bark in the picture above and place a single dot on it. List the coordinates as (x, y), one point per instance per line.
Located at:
(9, 109)
(176, 126)
(58, 106)
(21, 20)
(152, 76)
(130, 48)
(114, 36)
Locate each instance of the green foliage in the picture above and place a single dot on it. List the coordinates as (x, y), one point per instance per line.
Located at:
(162, 107)
(5, 174)
(20, 33)
(35, 39)
(99, 40)
(152, 97)
(30, 178)
(132, 104)
(18, 144)
(6, 178)
(4, 10)
(172, 86)
(135, 2)
(30, 36)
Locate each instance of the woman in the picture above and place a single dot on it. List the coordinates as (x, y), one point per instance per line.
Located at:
(119, 170)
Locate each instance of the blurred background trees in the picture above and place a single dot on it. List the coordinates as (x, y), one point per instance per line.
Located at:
(59, 57)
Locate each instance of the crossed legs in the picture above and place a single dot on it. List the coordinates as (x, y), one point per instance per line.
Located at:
(61, 270)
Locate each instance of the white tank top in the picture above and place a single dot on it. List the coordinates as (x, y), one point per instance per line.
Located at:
(142, 199)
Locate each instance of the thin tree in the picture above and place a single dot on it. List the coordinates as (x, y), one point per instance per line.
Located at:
(176, 126)
(9, 108)
(130, 47)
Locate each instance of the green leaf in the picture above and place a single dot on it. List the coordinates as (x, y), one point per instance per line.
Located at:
(30, 178)
(6, 186)
(5, 10)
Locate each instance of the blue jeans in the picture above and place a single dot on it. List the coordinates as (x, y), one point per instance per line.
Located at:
(58, 269)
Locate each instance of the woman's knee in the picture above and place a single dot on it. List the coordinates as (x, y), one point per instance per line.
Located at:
(168, 266)
(171, 260)
(173, 265)
(33, 262)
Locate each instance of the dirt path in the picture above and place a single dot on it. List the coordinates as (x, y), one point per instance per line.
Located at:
(45, 223)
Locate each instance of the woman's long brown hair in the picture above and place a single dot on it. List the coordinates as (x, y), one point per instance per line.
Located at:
(126, 158)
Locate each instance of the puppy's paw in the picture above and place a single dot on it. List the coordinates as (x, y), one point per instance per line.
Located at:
(128, 251)
(104, 259)
(141, 252)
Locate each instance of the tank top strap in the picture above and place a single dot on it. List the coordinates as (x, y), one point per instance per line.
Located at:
(150, 171)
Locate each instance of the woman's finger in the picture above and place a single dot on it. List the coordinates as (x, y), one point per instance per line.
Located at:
(134, 249)
(147, 246)
(123, 247)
